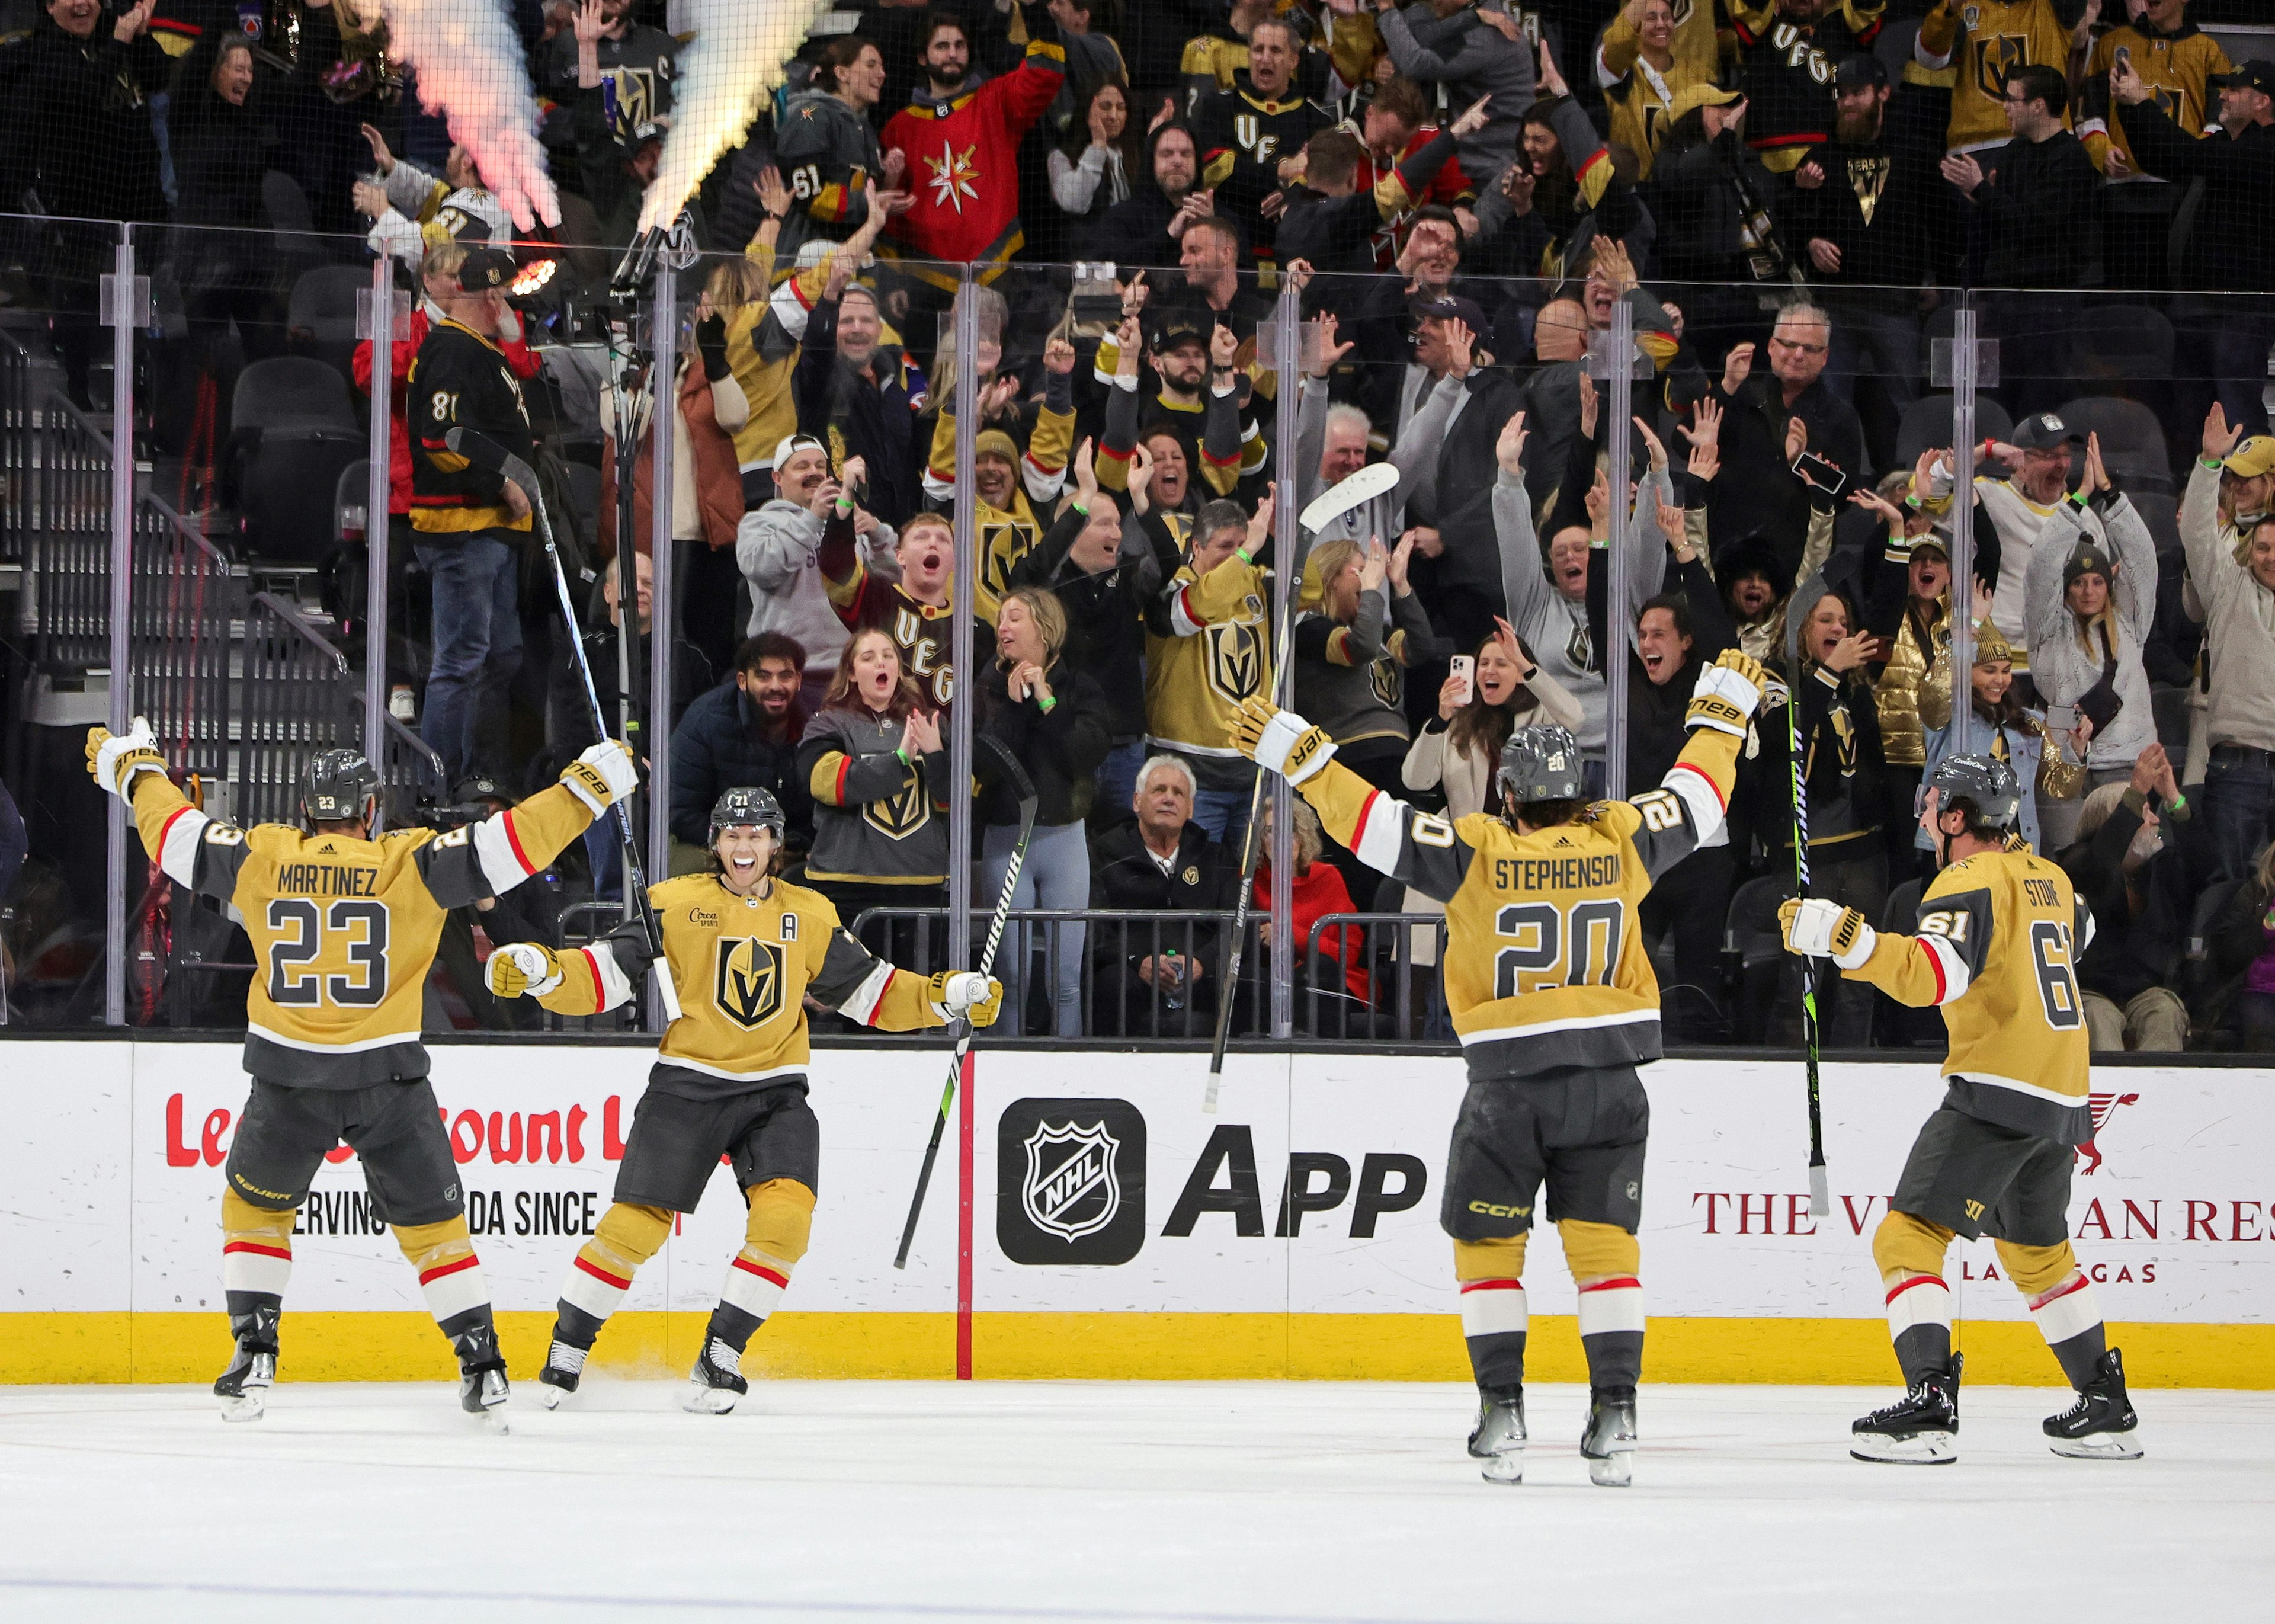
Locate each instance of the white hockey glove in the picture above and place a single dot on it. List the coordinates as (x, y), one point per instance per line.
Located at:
(117, 759)
(966, 995)
(602, 775)
(1281, 741)
(1727, 694)
(1826, 930)
(523, 967)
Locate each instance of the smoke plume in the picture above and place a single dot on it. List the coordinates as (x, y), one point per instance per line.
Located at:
(735, 59)
(469, 64)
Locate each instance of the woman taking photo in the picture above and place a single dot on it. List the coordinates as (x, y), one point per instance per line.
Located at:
(2088, 613)
(872, 760)
(1052, 719)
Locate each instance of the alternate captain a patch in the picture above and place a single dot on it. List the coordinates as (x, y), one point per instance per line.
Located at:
(750, 980)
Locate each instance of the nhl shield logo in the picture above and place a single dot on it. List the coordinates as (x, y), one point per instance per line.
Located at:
(1070, 1181)
(1071, 1191)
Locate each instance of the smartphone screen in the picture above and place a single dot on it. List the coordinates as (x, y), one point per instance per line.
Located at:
(1465, 672)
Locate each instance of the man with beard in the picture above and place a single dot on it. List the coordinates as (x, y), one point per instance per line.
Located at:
(744, 731)
(960, 144)
(1015, 483)
(1145, 228)
(1197, 397)
(1788, 49)
(1860, 219)
(636, 68)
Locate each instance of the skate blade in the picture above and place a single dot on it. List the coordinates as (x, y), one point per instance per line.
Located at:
(2099, 1447)
(245, 1407)
(1920, 1449)
(704, 1400)
(1612, 1471)
(550, 1396)
(1508, 1468)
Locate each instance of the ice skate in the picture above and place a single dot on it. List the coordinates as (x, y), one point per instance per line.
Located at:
(481, 1376)
(243, 1389)
(2101, 1426)
(1922, 1431)
(1609, 1443)
(716, 1382)
(1497, 1439)
(564, 1368)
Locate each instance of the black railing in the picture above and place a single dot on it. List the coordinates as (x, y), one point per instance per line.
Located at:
(69, 550)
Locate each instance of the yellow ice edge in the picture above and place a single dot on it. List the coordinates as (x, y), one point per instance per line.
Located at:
(1043, 1347)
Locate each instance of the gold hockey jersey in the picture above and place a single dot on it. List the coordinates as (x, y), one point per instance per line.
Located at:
(1208, 646)
(2174, 66)
(1545, 964)
(1979, 44)
(2000, 938)
(1005, 538)
(345, 930)
(743, 967)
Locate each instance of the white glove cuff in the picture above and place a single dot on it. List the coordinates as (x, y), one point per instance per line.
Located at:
(576, 785)
(1278, 738)
(533, 969)
(1853, 959)
(1732, 688)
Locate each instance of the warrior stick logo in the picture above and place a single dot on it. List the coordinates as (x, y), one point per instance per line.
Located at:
(1069, 1189)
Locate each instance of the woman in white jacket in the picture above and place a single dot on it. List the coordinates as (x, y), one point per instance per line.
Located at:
(2088, 598)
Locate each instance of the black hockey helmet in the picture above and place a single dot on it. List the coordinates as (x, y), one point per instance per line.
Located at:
(1984, 782)
(1540, 763)
(747, 806)
(337, 786)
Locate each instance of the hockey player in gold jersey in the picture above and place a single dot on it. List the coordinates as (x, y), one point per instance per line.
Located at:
(745, 950)
(2000, 931)
(1555, 1004)
(344, 925)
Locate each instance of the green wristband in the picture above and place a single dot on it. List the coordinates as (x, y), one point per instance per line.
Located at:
(1047, 703)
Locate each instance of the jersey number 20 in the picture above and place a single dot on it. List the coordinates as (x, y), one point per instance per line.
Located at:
(366, 925)
(1540, 958)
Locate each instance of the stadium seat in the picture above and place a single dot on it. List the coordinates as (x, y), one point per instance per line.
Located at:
(1927, 423)
(320, 318)
(2132, 440)
(352, 501)
(282, 484)
(291, 391)
(1753, 936)
(2118, 344)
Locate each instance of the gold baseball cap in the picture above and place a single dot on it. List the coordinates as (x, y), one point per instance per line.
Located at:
(2252, 458)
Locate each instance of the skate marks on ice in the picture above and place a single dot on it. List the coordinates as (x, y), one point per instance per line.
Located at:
(1107, 1503)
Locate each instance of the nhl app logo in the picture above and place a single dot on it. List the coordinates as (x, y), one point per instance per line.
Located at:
(1070, 1181)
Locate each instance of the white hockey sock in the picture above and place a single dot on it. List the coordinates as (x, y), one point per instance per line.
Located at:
(455, 1289)
(1493, 1308)
(753, 1285)
(1613, 1304)
(255, 1266)
(1922, 1301)
(2069, 1311)
(592, 1289)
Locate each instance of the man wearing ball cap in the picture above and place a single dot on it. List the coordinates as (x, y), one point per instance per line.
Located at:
(2229, 535)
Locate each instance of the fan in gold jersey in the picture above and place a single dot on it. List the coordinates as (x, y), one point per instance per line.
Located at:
(746, 950)
(2000, 931)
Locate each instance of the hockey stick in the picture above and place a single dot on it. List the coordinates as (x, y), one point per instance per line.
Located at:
(488, 453)
(1820, 1201)
(1374, 479)
(1024, 788)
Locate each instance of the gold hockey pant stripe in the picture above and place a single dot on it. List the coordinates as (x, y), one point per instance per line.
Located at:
(256, 1246)
(776, 1236)
(626, 1237)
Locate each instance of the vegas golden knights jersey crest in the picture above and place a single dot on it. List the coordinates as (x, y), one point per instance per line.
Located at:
(1383, 672)
(1235, 660)
(748, 987)
(898, 817)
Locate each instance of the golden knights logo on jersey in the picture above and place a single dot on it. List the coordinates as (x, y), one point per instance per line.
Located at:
(1996, 57)
(1383, 673)
(1235, 660)
(899, 816)
(1248, 130)
(1868, 178)
(750, 980)
(1001, 547)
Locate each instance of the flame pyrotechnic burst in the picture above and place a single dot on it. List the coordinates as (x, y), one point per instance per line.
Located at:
(736, 58)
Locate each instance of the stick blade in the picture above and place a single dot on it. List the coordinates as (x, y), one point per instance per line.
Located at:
(1820, 1198)
(1374, 479)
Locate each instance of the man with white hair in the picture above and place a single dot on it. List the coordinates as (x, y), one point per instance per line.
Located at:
(1156, 979)
(1754, 493)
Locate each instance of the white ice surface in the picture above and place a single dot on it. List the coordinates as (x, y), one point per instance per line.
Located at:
(1237, 1502)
